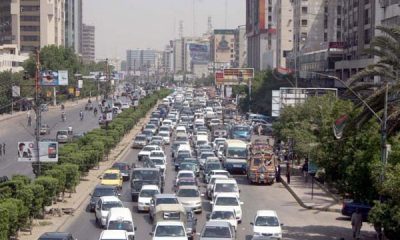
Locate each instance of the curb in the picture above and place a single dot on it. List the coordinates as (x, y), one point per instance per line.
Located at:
(302, 204)
(10, 116)
(322, 186)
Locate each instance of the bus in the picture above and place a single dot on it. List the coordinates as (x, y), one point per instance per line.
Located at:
(235, 156)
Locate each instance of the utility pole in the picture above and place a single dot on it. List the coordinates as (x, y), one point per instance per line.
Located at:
(37, 112)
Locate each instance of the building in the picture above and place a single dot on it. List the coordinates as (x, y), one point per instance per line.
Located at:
(168, 59)
(88, 43)
(10, 22)
(140, 59)
(179, 55)
(269, 31)
(359, 22)
(73, 24)
(222, 48)
(51, 30)
(11, 59)
(241, 47)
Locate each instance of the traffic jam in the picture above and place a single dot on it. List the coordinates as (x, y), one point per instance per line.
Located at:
(190, 154)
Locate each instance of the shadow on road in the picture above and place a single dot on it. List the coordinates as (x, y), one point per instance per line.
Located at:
(317, 232)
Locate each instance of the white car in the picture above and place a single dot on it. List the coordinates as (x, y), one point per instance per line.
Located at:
(145, 152)
(266, 223)
(227, 215)
(165, 136)
(185, 174)
(114, 235)
(190, 198)
(218, 142)
(211, 183)
(146, 194)
(228, 201)
(169, 230)
(103, 206)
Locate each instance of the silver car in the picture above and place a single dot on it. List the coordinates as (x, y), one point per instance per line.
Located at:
(217, 230)
(190, 198)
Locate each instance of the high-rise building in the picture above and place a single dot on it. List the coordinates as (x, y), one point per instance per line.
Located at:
(241, 47)
(73, 24)
(269, 31)
(32, 24)
(88, 43)
(222, 48)
(360, 19)
(140, 59)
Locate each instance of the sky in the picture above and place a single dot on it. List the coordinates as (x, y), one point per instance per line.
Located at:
(132, 24)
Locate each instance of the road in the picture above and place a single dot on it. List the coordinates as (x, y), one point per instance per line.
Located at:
(15, 129)
(299, 224)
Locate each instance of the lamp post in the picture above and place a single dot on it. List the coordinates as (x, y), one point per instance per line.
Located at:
(382, 121)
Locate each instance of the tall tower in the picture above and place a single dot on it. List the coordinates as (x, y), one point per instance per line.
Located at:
(181, 29)
(209, 25)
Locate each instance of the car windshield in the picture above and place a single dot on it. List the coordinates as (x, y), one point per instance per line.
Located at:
(222, 215)
(107, 205)
(164, 134)
(267, 221)
(157, 154)
(187, 166)
(111, 176)
(150, 126)
(146, 175)
(120, 225)
(164, 129)
(147, 132)
(148, 193)
(227, 201)
(167, 201)
(181, 138)
(202, 142)
(206, 155)
(226, 187)
(62, 133)
(240, 129)
(158, 161)
(213, 166)
(185, 175)
(216, 232)
(99, 192)
(140, 138)
(148, 149)
(186, 182)
(188, 193)
(170, 231)
(237, 152)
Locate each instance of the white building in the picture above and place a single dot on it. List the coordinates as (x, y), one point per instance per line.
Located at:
(52, 19)
(11, 59)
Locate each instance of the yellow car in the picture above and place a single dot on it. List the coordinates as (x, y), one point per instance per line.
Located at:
(112, 177)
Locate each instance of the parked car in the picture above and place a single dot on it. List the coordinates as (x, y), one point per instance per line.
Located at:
(350, 206)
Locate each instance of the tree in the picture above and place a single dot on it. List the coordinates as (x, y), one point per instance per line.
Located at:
(50, 186)
(386, 48)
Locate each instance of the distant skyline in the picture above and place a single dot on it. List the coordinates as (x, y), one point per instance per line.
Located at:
(131, 24)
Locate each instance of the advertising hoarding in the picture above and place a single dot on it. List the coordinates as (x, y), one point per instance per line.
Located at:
(48, 151)
(54, 78)
(16, 91)
(80, 84)
(237, 76)
(63, 77)
(27, 152)
(219, 78)
(199, 53)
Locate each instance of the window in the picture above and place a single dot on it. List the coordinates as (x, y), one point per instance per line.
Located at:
(304, 22)
(325, 37)
(304, 10)
(339, 10)
(338, 35)
(30, 18)
(366, 16)
(30, 38)
(367, 36)
(339, 22)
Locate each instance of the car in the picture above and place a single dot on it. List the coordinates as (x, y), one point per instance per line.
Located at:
(158, 138)
(120, 218)
(218, 230)
(211, 183)
(140, 141)
(145, 196)
(216, 172)
(103, 206)
(166, 129)
(203, 156)
(225, 186)
(149, 134)
(62, 136)
(165, 135)
(190, 198)
(124, 106)
(161, 199)
(101, 191)
(114, 235)
(175, 147)
(185, 181)
(227, 215)
(112, 177)
(124, 168)
(146, 150)
(218, 142)
(210, 166)
(189, 166)
(185, 174)
(44, 129)
(203, 148)
(56, 236)
(145, 176)
(225, 201)
(350, 206)
(151, 127)
(266, 223)
(169, 230)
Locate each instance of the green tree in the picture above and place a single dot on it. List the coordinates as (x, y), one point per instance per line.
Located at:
(50, 186)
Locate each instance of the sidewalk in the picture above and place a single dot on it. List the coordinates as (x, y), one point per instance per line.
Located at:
(310, 194)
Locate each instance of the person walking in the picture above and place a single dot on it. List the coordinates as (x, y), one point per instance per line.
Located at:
(356, 223)
(278, 173)
(287, 173)
(4, 149)
(1, 151)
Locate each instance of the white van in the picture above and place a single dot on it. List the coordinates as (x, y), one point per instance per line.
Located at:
(225, 186)
(121, 219)
(181, 129)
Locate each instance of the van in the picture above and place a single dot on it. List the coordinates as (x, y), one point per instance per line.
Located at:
(120, 218)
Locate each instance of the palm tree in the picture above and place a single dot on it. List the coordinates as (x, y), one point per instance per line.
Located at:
(386, 48)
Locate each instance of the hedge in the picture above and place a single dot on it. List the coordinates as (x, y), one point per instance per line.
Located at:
(21, 199)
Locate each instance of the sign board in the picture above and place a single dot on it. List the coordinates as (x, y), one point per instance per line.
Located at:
(109, 116)
(71, 90)
(219, 78)
(54, 78)
(80, 84)
(199, 53)
(178, 78)
(16, 91)
(312, 167)
(77, 92)
(135, 103)
(27, 152)
(275, 111)
(237, 76)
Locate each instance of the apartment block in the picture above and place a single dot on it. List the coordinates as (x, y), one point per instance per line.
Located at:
(73, 24)
(88, 43)
(140, 59)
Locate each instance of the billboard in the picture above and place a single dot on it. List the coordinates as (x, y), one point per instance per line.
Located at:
(16, 91)
(199, 53)
(80, 84)
(27, 152)
(237, 76)
(219, 78)
(224, 45)
(54, 78)
(178, 78)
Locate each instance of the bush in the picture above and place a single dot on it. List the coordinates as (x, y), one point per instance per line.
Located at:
(50, 186)
(4, 222)
(38, 198)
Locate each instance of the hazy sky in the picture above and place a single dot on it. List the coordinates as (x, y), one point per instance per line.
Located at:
(130, 24)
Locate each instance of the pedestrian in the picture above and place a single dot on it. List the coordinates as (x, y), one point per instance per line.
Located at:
(1, 151)
(356, 223)
(259, 129)
(4, 148)
(304, 169)
(287, 173)
(278, 173)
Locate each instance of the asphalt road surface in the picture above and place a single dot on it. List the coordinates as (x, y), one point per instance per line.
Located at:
(299, 224)
(15, 130)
